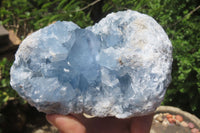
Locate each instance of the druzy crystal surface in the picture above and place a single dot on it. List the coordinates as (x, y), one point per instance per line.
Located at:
(119, 67)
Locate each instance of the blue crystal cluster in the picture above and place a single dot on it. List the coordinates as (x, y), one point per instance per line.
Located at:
(119, 67)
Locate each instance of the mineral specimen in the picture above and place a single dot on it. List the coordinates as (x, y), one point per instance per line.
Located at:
(119, 67)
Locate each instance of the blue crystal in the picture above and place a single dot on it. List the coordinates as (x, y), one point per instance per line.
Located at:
(119, 67)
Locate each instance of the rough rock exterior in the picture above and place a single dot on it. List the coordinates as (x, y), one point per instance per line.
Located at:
(119, 67)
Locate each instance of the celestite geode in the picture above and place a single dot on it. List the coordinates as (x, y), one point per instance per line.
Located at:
(119, 67)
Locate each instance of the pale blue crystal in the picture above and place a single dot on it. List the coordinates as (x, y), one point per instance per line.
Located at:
(119, 67)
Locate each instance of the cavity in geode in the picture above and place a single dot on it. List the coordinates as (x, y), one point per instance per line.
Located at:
(119, 67)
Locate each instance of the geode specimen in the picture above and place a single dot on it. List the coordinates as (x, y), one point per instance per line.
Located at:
(119, 67)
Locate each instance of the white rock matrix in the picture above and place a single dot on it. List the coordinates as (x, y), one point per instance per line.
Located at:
(119, 67)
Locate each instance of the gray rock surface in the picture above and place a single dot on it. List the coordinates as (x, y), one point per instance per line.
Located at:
(119, 67)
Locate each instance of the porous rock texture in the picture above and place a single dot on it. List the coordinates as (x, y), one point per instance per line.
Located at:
(119, 67)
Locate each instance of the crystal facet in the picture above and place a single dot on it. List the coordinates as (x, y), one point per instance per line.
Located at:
(119, 67)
